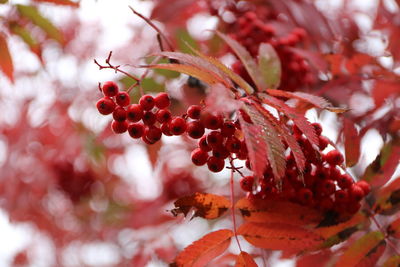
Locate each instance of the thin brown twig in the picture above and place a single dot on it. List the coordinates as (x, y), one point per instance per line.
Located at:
(381, 229)
(148, 21)
(233, 205)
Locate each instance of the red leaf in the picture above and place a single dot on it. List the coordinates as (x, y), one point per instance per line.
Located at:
(245, 260)
(207, 206)
(351, 142)
(332, 231)
(60, 2)
(299, 120)
(373, 255)
(6, 63)
(393, 261)
(388, 198)
(279, 236)
(278, 211)
(384, 89)
(202, 251)
(322, 257)
(263, 143)
(382, 168)
(394, 228)
(314, 100)
(360, 249)
(248, 61)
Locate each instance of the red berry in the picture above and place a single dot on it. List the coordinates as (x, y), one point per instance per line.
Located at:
(119, 127)
(345, 181)
(177, 126)
(228, 129)
(364, 186)
(199, 157)
(153, 133)
(146, 102)
(233, 144)
(134, 113)
(220, 152)
(327, 187)
(110, 88)
(305, 196)
(323, 142)
(341, 196)
(246, 183)
(163, 115)
(326, 204)
(356, 193)
(214, 139)
(211, 121)
(215, 164)
(203, 145)
(334, 157)
(136, 130)
(147, 141)
(149, 118)
(317, 128)
(105, 106)
(334, 173)
(122, 99)
(194, 112)
(119, 114)
(165, 129)
(162, 100)
(195, 129)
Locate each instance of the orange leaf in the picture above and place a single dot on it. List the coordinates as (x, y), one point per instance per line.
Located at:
(277, 211)
(393, 261)
(60, 2)
(383, 90)
(394, 228)
(281, 236)
(6, 63)
(202, 251)
(207, 206)
(360, 249)
(373, 255)
(330, 231)
(245, 260)
(351, 142)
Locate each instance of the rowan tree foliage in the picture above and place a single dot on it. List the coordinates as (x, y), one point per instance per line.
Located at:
(225, 124)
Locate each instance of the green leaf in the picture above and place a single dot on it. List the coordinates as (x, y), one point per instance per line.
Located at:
(270, 65)
(166, 73)
(26, 36)
(247, 60)
(6, 64)
(33, 14)
(185, 40)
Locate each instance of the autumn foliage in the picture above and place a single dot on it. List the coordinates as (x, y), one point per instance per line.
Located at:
(233, 125)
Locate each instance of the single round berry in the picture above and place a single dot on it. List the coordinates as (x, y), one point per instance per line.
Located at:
(147, 141)
(177, 126)
(334, 157)
(165, 129)
(194, 112)
(199, 157)
(305, 195)
(134, 113)
(326, 204)
(110, 88)
(203, 145)
(356, 193)
(136, 130)
(246, 183)
(327, 187)
(214, 139)
(195, 129)
(119, 127)
(119, 114)
(228, 129)
(162, 100)
(341, 196)
(122, 99)
(153, 133)
(233, 144)
(105, 106)
(163, 115)
(317, 128)
(220, 152)
(146, 102)
(323, 142)
(345, 181)
(364, 186)
(211, 121)
(149, 118)
(215, 164)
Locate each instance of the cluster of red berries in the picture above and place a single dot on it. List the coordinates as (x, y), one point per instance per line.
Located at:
(148, 119)
(255, 27)
(322, 185)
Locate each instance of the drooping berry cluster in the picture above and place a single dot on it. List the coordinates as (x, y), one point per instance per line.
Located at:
(148, 119)
(253, 28)
(323, 184)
